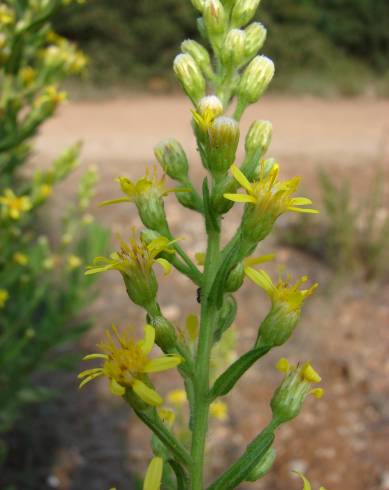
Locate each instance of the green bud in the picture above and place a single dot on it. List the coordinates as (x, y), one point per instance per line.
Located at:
(255, 39)
(235, 278)
(255, 79)
(263, 466)
(258, 140)
(190, 77)
(198, 4)
(223, 142)
(210, 107)
(277, 326)
(200, 55)
(165, 334)
(233, 52)
(172, 158)
(215, 18)
(141, 286)
(289, 397)
(243, 12)
(258, 137)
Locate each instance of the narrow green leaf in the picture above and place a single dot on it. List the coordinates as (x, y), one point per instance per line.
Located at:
(227, 380)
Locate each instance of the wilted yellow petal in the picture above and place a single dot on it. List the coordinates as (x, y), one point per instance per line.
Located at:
(153, 475)
(283, 365)
(148, 342)
(261, 278)
(116, 388)
(167, 266)
(148, 395)
(309, 374)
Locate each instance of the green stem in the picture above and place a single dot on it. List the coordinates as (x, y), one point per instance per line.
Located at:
(201, 381)
(165, 436)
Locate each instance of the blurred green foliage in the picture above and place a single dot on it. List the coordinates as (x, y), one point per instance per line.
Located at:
(346, 41)
(351, 236)
(42, 282)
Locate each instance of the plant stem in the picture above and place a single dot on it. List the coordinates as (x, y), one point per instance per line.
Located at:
(201, 381)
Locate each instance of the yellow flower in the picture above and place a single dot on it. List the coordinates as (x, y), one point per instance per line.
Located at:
(266, 200)
(268, 193)
(45, 191)
(209, 108)
(74, 262)
(4, 296)
(135, 262)
(176, 397)
(7, 16)
(52, 96)
(281, 292)
(20, 258)
(27, 74)
(307, 485)
(153, 475)
(126, 364)
(219, 410)
(13, 205)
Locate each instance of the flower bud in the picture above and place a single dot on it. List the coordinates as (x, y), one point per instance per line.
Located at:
(233, 52)
(165, 334)
(172, 158)
(255, 79)
(255, 39)
(210, 107)
(277, 326)
(289, 397)
(141, 288)
(258, 137)
(223, 141)
(263, 466)
(200, 55)
(190, 77)
(215, 18)
(258, 140)
(198, 4)
(243, 12)
(235, 278)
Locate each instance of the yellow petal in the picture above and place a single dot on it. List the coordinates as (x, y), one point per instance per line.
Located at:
(240, 198)
(162, 363)
(192, 326)
(116, 388)
(283, 365)
(89, 378)
(148, 395)
(317, 393)
(261, 278)
(241, 178)
(258, 260)
(300, 201)
(307, 485)
(153, 475)
(88, 372)
(309, 374)
(148, 342)
(90, 357)
(303, 210)
(115, 201)
(167, 266)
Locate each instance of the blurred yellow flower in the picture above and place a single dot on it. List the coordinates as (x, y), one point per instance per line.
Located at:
(27, 74)
(307, 485)
(45, 191)
(13, 205)
(20, 258)
(219, 410)
(74, 262)
(4, 296)
(126, 363)
(176, 397)
(7, 15)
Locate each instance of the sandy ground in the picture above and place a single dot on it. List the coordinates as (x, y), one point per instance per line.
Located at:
(341, 441)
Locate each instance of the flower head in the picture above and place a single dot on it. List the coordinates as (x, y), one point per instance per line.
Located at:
(289, 397)
(266, 199)
(126, 364)
(147, 193)
(135, 261)
(4, 296)
(13, 205)
(219, 410)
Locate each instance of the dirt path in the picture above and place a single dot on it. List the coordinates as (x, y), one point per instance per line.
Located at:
(127, 128)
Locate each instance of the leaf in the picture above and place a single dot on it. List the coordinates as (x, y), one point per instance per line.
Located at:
(226, 381)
